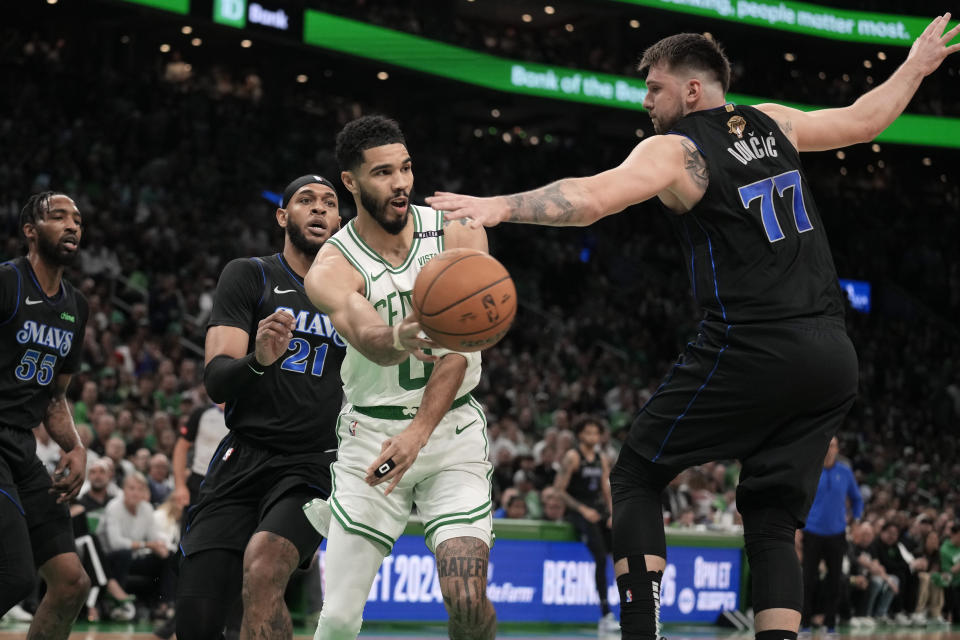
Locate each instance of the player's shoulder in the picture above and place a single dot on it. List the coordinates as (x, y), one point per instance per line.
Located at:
(10, 270)
(246, 269)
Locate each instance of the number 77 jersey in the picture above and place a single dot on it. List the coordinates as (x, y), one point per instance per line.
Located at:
(755, 245)
(390, 290)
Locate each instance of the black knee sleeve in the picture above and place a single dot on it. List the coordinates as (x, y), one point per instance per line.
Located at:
(636, 485)
(639, 601)
(207, 591)
(769, 539)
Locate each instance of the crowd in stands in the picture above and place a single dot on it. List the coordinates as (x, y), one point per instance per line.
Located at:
(166, 165)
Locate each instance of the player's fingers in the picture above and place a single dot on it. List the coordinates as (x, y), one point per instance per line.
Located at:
(423, 357)
(951, 34)
(396, 481)
(953, 48)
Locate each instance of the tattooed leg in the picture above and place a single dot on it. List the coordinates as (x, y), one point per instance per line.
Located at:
(67, 588)
(268, 563)
(462, 567)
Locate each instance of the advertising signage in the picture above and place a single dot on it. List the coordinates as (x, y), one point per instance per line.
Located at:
(808, 19)
(482, 69)
(536, 581)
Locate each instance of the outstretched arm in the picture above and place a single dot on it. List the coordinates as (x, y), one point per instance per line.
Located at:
(654, 165)
(335, 287)
(875, 110)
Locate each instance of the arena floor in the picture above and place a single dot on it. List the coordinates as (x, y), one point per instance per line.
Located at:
(378, 632)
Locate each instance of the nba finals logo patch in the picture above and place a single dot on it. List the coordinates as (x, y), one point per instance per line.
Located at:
(629, 595)
(737, 124)
(353, 428)
(226, 456)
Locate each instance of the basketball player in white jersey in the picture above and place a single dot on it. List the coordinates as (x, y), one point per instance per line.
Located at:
(410, 433)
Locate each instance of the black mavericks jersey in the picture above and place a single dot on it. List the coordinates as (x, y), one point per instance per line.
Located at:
(755, 244)
(584, 484)
(42, 337)
(293, 406)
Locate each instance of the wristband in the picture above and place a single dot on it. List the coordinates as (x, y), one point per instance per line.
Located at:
(396, 339)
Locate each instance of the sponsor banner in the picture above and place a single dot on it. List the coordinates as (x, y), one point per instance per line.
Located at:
(175, 6)
(534, 581)
(805, 18)
(559, 83)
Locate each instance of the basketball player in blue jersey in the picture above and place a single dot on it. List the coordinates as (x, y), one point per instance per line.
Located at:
(772, 373)
(42, 321)
(275, 361)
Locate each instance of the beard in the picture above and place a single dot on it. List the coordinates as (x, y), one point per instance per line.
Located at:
(378, 210)
(55, 254)
(665, 121)
(302, 243)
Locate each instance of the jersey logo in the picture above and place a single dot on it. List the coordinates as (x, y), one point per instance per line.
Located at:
(29, 301)
(352, 428)
(40, 334)
(377, 277)
(737, 124)
(278, 290)
(460, 430)
(226, 456)
(66, 316)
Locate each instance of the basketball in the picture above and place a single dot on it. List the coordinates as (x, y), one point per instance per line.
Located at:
(465, 300)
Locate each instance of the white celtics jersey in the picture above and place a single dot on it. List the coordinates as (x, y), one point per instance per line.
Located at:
(390, 290)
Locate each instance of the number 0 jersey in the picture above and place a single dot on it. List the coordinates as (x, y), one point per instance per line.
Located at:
(755, 244)
(42, 337)
(390, 290)
(293, 406)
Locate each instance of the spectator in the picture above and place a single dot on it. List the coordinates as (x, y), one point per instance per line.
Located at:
(47, 450)
(554, 508)
(930, 592)
(893, 571)
(129, 536)
(824, 537)
(88, 398)
(950, 567)
(855, 592)
(115, 450)
(104, 426)
(95, 498)
(160, 482)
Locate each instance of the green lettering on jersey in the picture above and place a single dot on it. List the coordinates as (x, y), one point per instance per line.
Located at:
(66, 316)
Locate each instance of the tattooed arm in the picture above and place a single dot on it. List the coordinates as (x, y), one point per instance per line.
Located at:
(654, 166)
(71, 471)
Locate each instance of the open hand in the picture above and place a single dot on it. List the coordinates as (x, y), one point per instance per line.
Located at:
(402, 450)
(930, 49)
(487, 212)
(408, 334)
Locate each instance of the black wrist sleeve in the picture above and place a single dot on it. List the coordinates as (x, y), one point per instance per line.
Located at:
(226, 377)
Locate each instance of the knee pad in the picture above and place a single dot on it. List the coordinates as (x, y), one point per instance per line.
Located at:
(769, 540)
(639, 601)
(636, 485)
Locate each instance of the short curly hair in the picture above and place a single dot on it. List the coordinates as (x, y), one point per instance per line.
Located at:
(37, 207)
(362, 134)
(689, 50)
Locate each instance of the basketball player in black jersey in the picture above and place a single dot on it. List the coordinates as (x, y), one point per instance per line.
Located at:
(771, 374)
(42, 321)
(275, 361)
(584, 484)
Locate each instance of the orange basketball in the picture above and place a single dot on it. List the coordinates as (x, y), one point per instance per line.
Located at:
(465, 300)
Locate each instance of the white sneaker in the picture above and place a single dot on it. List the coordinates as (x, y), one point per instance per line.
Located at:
(902, 620)
(919, 619)
(123, 612)
(608, 624)
(868, 623)
(18, 614)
